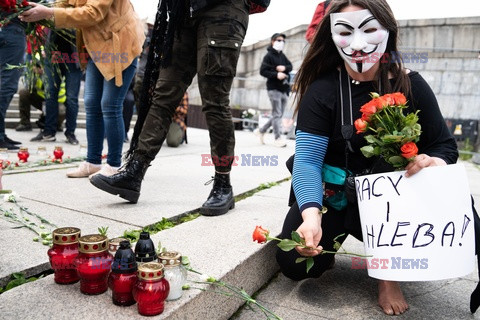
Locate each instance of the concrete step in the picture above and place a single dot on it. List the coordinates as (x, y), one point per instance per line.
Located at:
(13, 118)
(221, 247)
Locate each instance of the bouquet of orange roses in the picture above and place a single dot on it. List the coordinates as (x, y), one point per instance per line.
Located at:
(389, 133)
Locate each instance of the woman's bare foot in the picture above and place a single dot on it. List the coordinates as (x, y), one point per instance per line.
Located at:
(390, 297)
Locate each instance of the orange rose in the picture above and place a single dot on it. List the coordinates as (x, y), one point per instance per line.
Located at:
(360, 125)
(260, 235)
(368, 109)
(399, 98)
(409, 150)
(380, 103)
(389, 99)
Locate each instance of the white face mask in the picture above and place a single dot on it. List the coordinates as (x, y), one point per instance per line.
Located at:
(359, 37)
(278, 45)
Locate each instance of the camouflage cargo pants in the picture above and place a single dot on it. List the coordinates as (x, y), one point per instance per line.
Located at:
(209, 47)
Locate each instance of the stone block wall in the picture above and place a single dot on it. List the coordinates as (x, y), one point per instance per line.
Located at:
(452, 67)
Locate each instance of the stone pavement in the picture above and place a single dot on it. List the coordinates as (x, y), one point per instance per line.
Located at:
(219, 246)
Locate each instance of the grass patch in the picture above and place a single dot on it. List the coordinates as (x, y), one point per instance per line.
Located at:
(18, 278)
(134, 235)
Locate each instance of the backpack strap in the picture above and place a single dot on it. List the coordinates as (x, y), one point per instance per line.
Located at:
(346, 108)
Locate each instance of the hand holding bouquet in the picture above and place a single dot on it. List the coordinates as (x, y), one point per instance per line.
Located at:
(391, 134)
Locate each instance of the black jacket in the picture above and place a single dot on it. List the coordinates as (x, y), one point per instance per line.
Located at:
(268, 69)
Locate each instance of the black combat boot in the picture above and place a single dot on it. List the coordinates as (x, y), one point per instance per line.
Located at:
(220, 199)
(126, 183)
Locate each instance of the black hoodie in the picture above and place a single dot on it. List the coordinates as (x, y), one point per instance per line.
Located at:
(270, 62)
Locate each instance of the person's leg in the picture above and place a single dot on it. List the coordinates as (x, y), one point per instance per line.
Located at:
(93, 109)
(332, 226)
(54, 73)
(25, 100)
(12, 51)
(73, 77)
(171, 84)
(217, 63)
(390, 297)
(112, 106)
(95, 128)
(276, 99)
(128, 106)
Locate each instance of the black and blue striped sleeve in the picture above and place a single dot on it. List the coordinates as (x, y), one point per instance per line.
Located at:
(310, 150)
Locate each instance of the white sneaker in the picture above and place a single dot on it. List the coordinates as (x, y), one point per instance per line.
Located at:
(106, 171)
(260, 135)
(280, 143)
(84, 170)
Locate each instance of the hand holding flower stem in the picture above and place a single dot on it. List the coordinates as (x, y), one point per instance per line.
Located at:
(261, 235)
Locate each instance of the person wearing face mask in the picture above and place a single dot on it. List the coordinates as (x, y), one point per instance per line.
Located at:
(276, 68)
(349, 44)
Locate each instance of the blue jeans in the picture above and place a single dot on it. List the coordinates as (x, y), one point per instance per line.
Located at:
(104, 105)
(73, 77)
(12, 51)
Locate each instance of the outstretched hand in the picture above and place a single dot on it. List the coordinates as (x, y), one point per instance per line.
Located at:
(422, 161)
(311, 231)
(37, 13)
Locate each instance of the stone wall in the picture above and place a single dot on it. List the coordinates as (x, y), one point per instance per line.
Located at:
(449, 49)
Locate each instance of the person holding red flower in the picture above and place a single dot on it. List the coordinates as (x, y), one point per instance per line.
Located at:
(12, 51)
(349, 44)
(112, 35)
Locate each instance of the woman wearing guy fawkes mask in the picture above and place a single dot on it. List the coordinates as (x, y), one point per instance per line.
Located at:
(349, 43)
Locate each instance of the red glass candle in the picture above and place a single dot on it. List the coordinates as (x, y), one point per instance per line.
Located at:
(93, 264)
(151, 289)
(63, 253)
(58, 153)
(123, 275)
(23, 154)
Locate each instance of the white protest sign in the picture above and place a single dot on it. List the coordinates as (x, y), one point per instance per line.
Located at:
(417, 228)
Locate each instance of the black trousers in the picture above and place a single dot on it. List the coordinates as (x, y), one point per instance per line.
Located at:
(333, 224)
(209, 47)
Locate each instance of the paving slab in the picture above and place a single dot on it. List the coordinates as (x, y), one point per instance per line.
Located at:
(218, 246)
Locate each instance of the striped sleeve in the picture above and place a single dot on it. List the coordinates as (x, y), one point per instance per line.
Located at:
(310, 150)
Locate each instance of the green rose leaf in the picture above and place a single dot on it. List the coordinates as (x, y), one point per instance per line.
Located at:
(287, 244)
(309, 263)
(370, 138)
(296, 237)
(368, 151)
(299, 260)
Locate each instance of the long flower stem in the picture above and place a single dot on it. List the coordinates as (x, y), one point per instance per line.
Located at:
(236, 292)
(324, 251)
(42, 219)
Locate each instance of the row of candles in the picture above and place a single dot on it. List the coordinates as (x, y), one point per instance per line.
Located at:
(23, 154)
(133, 276)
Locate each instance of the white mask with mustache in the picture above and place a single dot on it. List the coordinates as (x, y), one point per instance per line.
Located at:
(360, 39)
